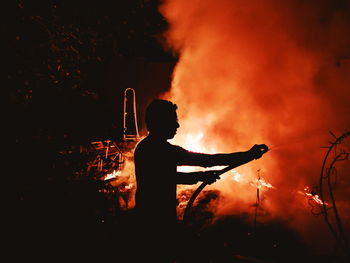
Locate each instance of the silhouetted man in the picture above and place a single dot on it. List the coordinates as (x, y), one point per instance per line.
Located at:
(156, 162)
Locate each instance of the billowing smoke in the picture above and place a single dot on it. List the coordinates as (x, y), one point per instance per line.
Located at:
(273, 72)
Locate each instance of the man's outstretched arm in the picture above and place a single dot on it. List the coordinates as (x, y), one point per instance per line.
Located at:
(233, 159)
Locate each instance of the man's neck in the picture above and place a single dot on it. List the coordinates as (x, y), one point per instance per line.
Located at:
(156, 137)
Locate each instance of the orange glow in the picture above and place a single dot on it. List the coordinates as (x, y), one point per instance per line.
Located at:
(112, 175)
(126, 187)
(124, 182)
(236, 176)
(261, 73)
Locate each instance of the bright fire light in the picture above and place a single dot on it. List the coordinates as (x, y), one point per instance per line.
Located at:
(112, 175)
(193, 142)
(311, 195)
(127, 187)
(259, 183)
(236, 176)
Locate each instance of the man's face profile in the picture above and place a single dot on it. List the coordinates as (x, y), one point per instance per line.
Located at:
(161, 119)
(170, 126)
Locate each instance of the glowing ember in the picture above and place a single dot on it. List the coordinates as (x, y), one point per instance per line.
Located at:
(129, 186)
(312, 195)
(112, 175)
(126, 187)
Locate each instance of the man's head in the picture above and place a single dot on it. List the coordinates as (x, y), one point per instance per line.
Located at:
(161, 118)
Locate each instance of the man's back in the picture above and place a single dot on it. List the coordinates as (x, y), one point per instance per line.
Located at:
(155, 169)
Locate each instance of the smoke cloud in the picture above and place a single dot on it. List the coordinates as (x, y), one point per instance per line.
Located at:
(273, 72)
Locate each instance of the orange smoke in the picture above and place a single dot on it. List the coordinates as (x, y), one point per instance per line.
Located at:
(273, 72)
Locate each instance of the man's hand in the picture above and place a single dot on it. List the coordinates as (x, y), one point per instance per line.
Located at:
(209, 177)
(258, 150)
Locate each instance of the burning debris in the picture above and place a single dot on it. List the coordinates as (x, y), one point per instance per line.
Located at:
(260, 183)
(112, 175)
(110, 164)
(312, 195)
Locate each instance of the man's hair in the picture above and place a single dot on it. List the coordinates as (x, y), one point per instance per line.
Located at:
(158, 112)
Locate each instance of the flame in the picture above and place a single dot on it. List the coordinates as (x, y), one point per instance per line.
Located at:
(236, 176)
(193, 142)
(112, 175)
(261, 73)
(126, 187)
(124, 183)
(228, 181)
(260, 183)
(311, 195)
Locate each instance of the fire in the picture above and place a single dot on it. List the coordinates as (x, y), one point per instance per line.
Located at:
(236, 176)
(120, 183)
(260, 183)
(250, 73)
(129, 186)
(311, 195)
(112, 175)
(126, 187)
(228, 183)
(193, 142)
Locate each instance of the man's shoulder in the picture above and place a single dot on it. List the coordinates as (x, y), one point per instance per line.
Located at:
(176, 149)
(150, 144)
(146, 144)
(141, 144)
